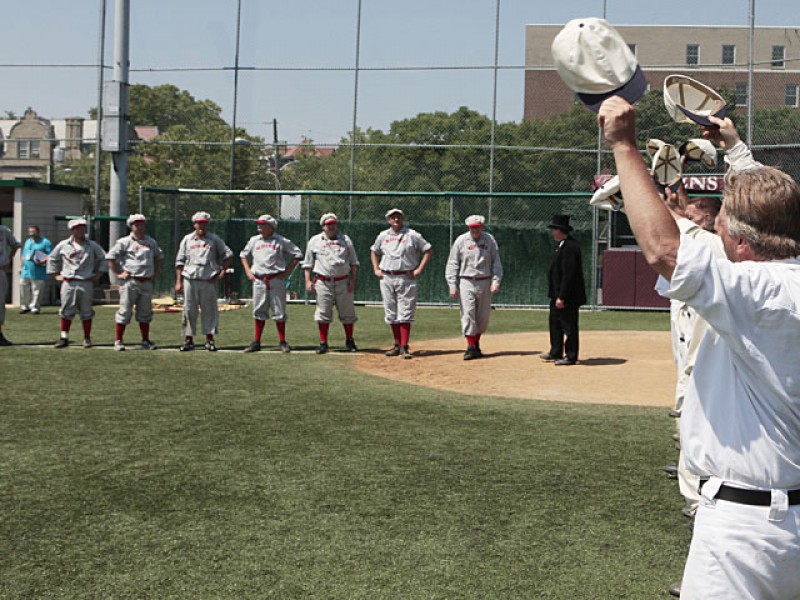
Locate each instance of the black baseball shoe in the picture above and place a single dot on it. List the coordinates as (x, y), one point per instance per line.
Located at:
(187, 346)
(471, 353)
(395, 351)
(87, 342)
(24, 311)
(284, 346)
(407, 353)
(350, 345)
(549, 357)
(565, 362)
(254, 346)
(62, 343)
(4, 341)
(322, 348)
(211, 346)
(478, 351)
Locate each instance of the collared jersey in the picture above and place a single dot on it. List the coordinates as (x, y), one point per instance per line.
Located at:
(401, 251)
(137, 257)
(474, 258)
(73, 260)
(268, 255)
(7, 240)
(741, 417)
(30, 270)
(202, 257)
(330, 257)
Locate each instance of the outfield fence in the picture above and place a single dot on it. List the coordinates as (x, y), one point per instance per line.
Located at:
(518, 222)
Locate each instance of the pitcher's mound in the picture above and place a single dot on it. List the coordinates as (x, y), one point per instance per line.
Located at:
(615, 367)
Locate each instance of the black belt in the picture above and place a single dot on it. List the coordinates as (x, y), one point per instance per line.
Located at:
(398, 272)
(479, 278)
(751, 497)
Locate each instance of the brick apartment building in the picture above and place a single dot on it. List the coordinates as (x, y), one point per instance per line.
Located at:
(717, 56)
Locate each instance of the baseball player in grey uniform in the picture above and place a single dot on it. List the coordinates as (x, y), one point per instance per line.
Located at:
(136, 259)
(268, 272)
(200, 263)
(331, 267)
(8, 248)
(78, 263)
(474, 273)
(399, 256)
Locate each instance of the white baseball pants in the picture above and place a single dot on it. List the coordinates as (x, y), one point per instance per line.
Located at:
(77, 298)
(475, 302)
(270, 299)
(30, 291)
(399, 293)
(330, 293)
(199, 295)
(138, 295)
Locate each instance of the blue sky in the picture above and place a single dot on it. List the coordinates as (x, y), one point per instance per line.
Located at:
(312, 34)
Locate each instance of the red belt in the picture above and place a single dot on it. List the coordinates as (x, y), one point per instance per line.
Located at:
(71, 279)
(477, 278)
(323, 278)
(266, 278)
(398, 272)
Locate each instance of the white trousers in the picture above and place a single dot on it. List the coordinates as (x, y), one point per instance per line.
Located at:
(269, 297)
(742, 552)
(30, 291)
(138, 295)
(399, 293)
(77, 298)
(334, 293)
(199, 296)
(475, 301)
(3, 292)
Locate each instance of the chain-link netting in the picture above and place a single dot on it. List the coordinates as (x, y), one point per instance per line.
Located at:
(518, 222)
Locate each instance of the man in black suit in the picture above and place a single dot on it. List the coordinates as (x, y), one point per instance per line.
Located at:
(567, 293)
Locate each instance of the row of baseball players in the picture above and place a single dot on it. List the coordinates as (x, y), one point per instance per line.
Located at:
(399, 256)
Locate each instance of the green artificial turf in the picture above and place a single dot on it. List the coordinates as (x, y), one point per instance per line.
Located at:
(200, 475)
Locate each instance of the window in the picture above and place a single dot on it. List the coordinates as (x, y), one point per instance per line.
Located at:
(35, 149)
(632, 48)
(22, 149)
(692, 54)
(778, 56)
(791, 95)
(741, 94)
(728, 54)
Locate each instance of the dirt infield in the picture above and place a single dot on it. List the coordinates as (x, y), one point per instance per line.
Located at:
(616, 367)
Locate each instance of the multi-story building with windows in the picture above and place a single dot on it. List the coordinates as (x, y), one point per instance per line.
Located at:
(717, 56)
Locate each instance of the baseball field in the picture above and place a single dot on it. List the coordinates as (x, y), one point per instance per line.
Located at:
(223, 475)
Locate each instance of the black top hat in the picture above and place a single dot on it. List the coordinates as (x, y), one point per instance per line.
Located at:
(561, 222)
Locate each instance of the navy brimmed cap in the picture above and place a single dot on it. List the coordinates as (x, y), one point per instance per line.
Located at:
(595, 62)
(690, 101)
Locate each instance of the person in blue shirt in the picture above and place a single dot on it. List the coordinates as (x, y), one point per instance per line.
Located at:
(34, 271)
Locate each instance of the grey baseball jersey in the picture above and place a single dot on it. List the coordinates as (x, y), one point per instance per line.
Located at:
(474, 258)
(7, 241)
(77, 261)
(267, 256)
(202, 257)
(330, 257)
(401, 251)
(137, 257)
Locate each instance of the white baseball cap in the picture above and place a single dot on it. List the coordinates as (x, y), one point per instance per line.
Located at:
(134, 218)
(73, 223)
(689, 101)
(699, 150)
(267, 219)
(393, 211)
(666, 167)
(608, 196)
(475, 221)
(201, 216)
(595, 62)
(328, 218)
